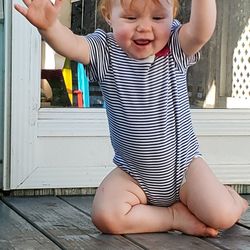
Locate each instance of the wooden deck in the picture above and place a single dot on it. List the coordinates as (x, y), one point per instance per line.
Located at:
(63, 222)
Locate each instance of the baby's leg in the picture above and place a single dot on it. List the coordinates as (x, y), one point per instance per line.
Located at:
(120, 207)
(211, 202)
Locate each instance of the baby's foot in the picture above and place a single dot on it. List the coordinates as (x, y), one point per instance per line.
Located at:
(187, 223)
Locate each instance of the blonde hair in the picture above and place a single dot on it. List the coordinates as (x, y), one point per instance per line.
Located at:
(106, 5)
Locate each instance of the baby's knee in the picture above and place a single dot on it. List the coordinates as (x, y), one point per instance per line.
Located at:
(224, 217)
(106, 221)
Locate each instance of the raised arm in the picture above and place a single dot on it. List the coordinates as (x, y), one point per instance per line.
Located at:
(43, 15)
(194, 34)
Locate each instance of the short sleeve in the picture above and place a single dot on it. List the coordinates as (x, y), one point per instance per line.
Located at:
(182, 61)
(99, 55)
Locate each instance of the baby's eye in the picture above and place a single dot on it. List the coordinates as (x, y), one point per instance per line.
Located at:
(130, 17)
(158, 18)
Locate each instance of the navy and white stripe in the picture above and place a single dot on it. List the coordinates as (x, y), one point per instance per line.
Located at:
(148, 112)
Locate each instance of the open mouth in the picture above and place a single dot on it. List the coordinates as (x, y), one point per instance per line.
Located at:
(142, 42)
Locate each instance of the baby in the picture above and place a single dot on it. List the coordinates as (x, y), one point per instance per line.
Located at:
(161, 181)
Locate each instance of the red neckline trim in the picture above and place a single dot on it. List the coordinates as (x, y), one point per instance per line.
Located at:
(164, 52)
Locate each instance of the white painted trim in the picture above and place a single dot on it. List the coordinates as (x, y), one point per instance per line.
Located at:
(93, 122)
(72, 122)
(25, 97)
(72, 114)
(7, 94)
(221, 122)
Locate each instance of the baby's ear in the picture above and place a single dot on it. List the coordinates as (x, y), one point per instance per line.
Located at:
(106, 15)
(108, 22)
(107, 19)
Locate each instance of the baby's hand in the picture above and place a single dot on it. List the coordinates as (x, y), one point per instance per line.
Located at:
(41, 13)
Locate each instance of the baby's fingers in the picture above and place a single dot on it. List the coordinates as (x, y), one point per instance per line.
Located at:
(27, 2)
(58, 4)
(21, 9)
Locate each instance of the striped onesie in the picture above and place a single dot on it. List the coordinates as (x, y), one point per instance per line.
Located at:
(148, 113)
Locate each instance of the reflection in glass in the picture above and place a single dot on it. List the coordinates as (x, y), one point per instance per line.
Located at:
(221, 79)
(63, 82)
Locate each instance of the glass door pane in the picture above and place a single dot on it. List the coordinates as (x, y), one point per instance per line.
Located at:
(221, 79)
(64, 82)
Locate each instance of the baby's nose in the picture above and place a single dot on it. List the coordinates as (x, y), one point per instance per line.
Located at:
(144, 25)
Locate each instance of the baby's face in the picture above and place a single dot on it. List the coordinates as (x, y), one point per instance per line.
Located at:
(141, 27)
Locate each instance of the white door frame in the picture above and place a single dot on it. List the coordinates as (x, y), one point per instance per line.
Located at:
(7, 93)
(36, 134)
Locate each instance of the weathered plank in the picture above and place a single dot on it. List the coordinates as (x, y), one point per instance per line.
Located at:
(83, 203)
(247, 197)
(171, 241)
(245, 219)
(236, 238)
(65, 224)
(16, 233)
(150, 241)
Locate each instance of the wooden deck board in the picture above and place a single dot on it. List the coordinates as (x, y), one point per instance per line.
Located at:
(66, 221)
(245, 219)
(235, 238)
(166, 241)
(172, 240)
(16, 233)
(66, 225)
(83, 203)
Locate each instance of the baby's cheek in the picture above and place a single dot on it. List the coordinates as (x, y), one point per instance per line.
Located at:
(122, 38)
(163, 38)
(121, 35)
